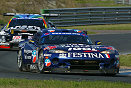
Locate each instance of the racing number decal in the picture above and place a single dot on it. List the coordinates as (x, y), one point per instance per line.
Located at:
(107, 55)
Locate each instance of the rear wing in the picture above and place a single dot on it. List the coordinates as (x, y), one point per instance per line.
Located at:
(44, 15)
(2, 24)
(13, 31)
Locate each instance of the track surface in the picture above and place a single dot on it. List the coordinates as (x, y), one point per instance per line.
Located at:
(8, 65)
(122, 42)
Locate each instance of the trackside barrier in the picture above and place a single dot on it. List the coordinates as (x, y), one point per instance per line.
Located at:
(89, 16)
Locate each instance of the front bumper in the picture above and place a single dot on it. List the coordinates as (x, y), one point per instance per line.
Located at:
(68, 70)
(84, 66)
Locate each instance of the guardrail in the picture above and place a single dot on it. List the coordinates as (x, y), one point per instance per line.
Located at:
(123, 2)
(89, 16)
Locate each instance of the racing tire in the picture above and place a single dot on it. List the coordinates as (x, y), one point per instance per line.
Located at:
(41, 62)
(118, 70)
(114, 73)
(110, 74)
(22, 67)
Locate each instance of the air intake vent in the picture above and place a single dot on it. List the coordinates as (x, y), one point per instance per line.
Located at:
(65, 31)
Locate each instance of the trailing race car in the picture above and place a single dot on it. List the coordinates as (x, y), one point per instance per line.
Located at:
(64, 50)
(21, 27)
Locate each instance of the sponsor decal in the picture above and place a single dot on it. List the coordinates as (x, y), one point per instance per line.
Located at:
(27, 57)
(81, 55)
(34, 56)
(110, 48)
(84, 34)
(47, 33)
(4, 46)
(49, 47)
(51, 30)
(62, 55)
(33, 67)
(17, 37)
(30, 37)
(49, 55)
(88, 49)
(26, 52)
(107, 55)
(25, 34)
(67, 33)
(47, 62)
(75, 45)
(26, 27)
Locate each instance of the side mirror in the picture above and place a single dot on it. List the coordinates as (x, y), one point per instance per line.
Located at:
(85, 32)
(1, 24)
(98, 43)
(31, 41)
(51, 24)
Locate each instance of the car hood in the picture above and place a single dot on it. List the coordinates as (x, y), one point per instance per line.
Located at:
(79, 47)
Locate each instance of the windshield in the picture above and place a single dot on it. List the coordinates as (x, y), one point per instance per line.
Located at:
(27, 22)
(65, 39)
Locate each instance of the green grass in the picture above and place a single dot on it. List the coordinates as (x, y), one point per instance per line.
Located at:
(102, 27)
(125, 60)
(111, 27)
(100, 3)
(23, 83)
(91, 32)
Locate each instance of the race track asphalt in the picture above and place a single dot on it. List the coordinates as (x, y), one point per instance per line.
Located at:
(122, 42)
(8, 63)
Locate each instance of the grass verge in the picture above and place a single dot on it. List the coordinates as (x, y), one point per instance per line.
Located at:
(102, 27)
(100, 3)
(24, 83)
(91, 32)
(125, 60)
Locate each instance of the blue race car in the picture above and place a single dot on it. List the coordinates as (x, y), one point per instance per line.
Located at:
(21, 27)
(66, 50)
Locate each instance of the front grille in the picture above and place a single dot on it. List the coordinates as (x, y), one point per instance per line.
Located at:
(85, 67)
(84, 64)
(33, 32)
(24, 36)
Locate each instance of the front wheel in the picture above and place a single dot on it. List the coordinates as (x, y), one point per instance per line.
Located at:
(41, 62)
(21, 66)
(113, 73)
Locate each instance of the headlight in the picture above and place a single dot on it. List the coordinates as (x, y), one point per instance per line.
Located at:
(2, 33)
(57, 51)
(108, 52)
(2, 38)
